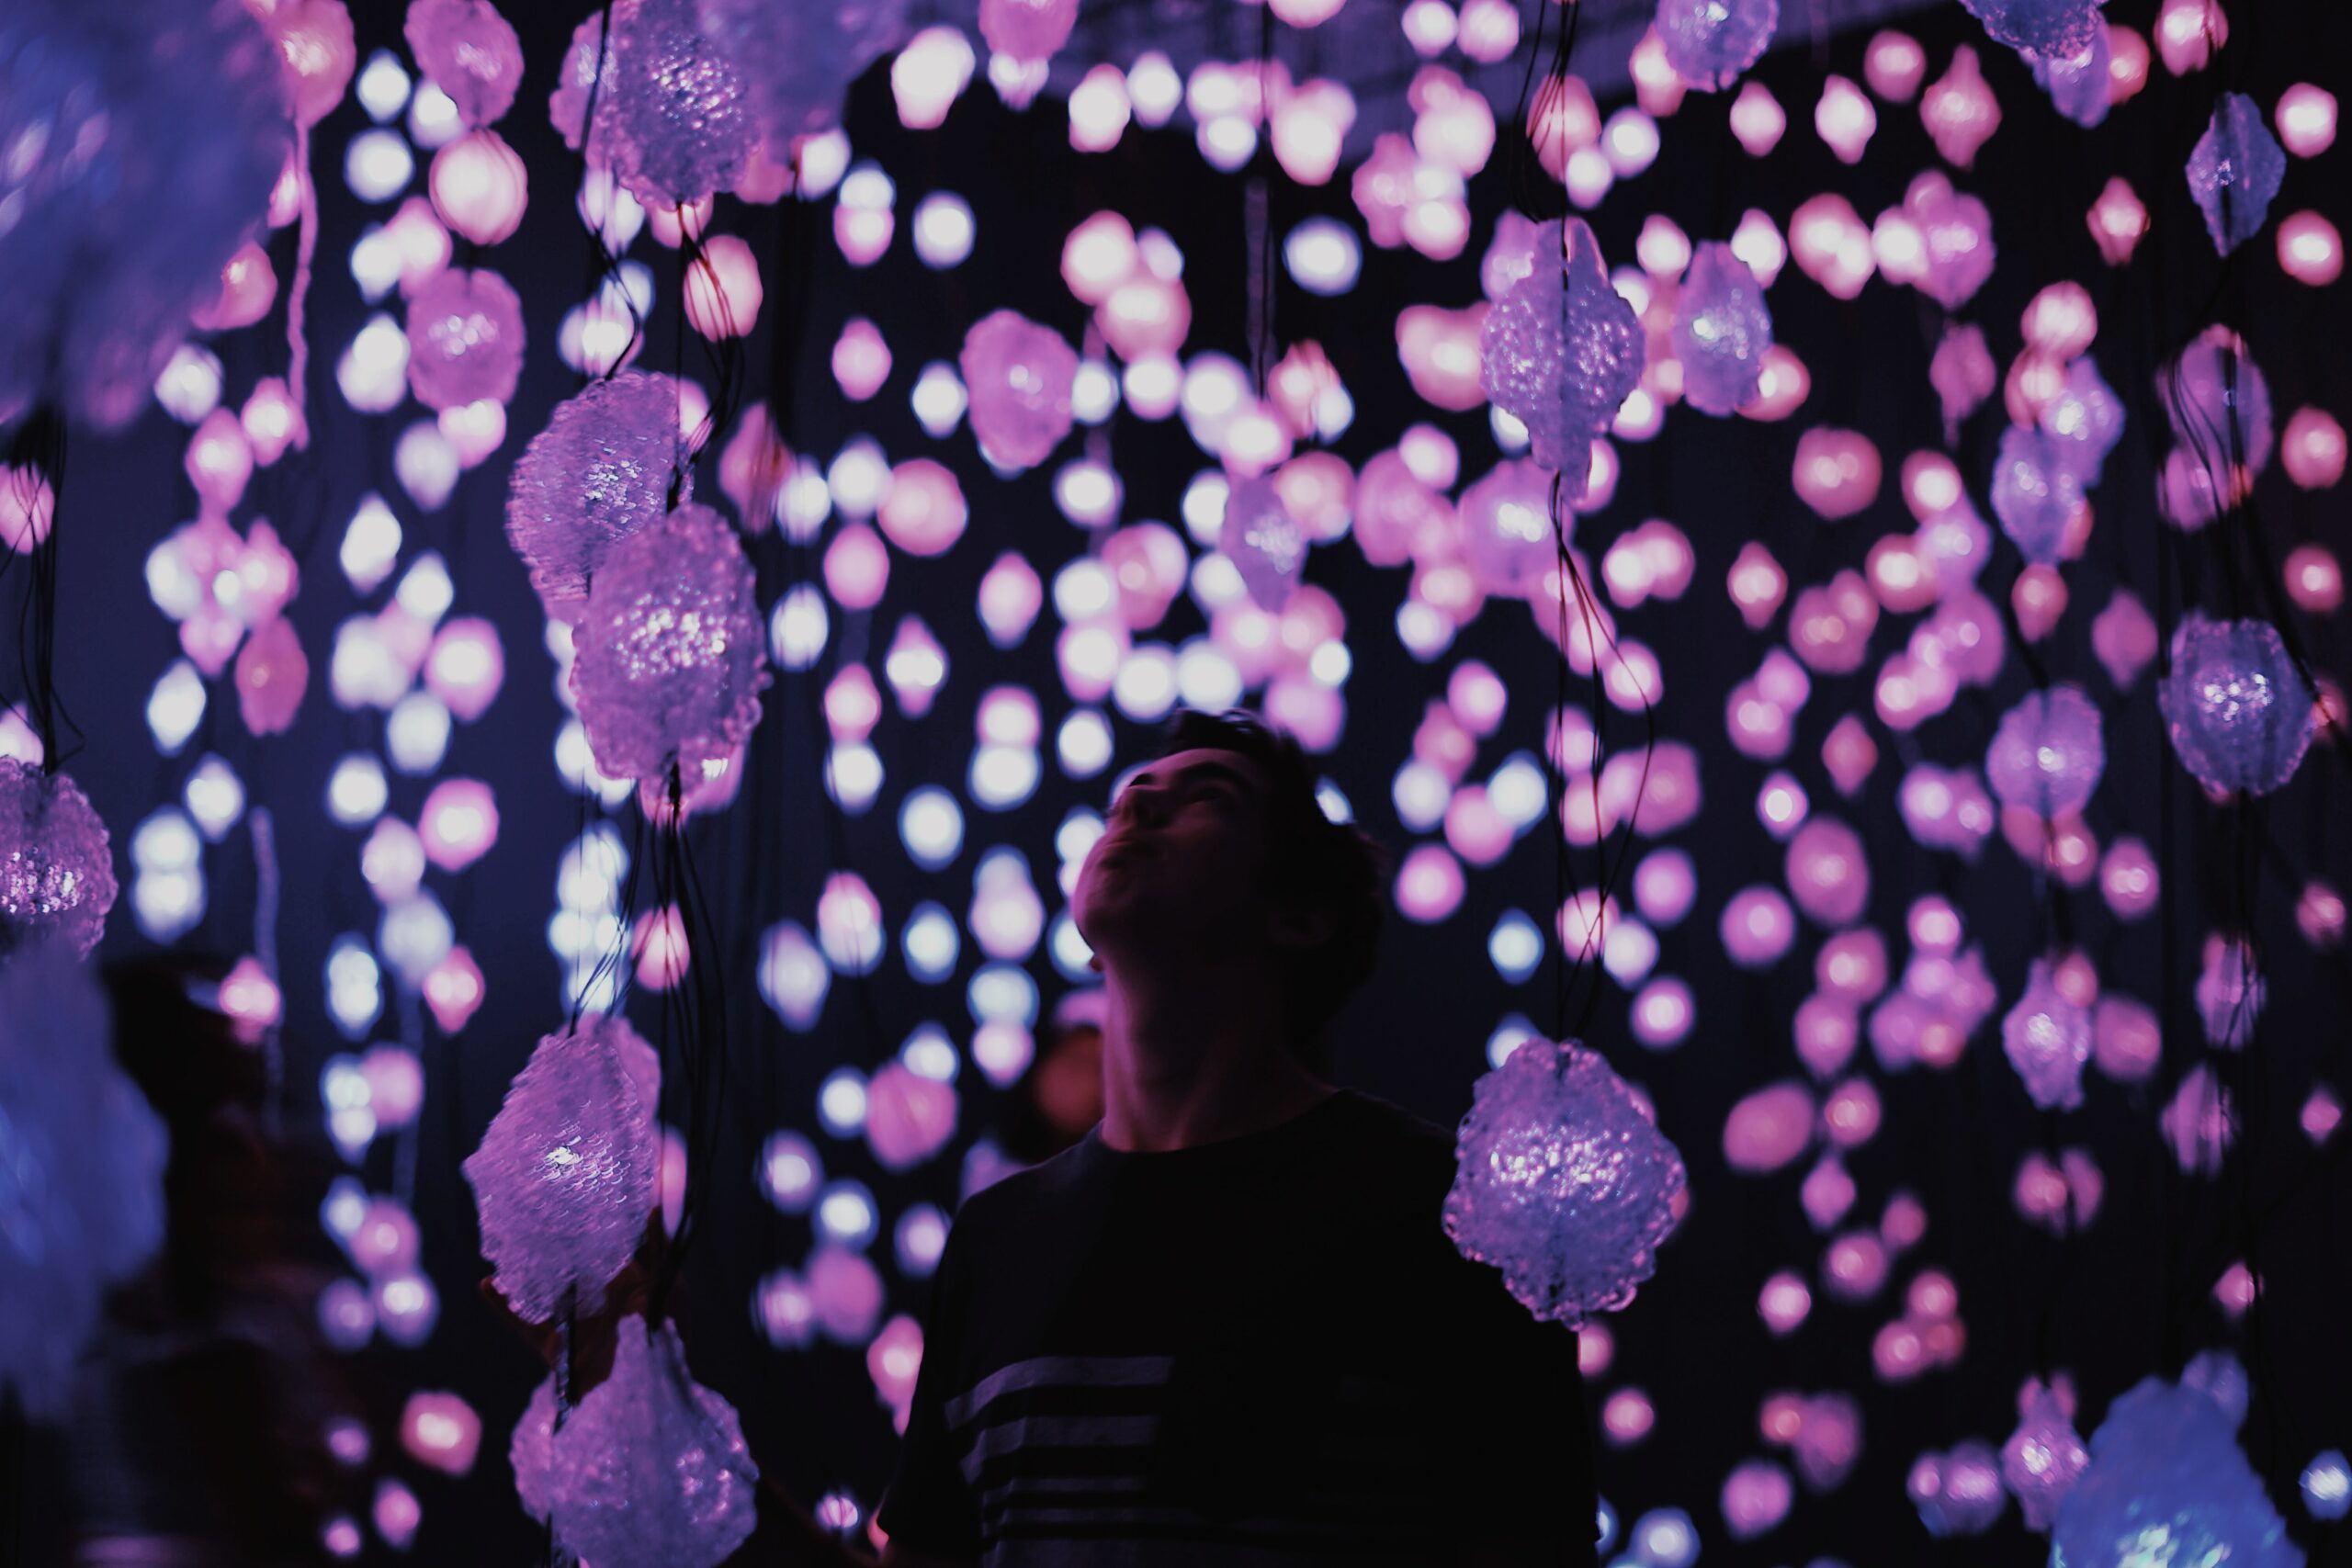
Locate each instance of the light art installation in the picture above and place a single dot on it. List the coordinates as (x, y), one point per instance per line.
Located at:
(668, 668)
(2167, 1473)
(602, 471)
(1710, 43)
(1563, 1182)
(1562, 351)
(56, 866)
(564, 1178)
(651, 1468)
(1722, 331)
(1019, 376)
(2237, 709)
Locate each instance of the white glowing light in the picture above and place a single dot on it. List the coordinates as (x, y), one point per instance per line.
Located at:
(382, 86)
(944, 230)
(175, 706)
(939, 400)
(377, 164)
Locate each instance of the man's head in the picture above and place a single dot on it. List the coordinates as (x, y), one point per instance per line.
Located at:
(1219, 849)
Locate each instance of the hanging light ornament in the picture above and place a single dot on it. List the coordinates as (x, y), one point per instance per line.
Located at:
(651, 1471)
(2238, 710)
(669, 669)
(799, 60)
(1712, 43)
(2048, 1038)
(2167, 1473)
(2233, 171)
(1562, 1181)
(1562, 351)
(2042, 27)
(80, 1169)
(144, 139)
(564, 1176)
(465, 337)
(56, 869)
(1722, 331)
(2036, 493)
(468, 50)
(1019, 377)
(2048, 754)
(2045, 1456)
(1265, 543)
(599, 473)
(680, 106)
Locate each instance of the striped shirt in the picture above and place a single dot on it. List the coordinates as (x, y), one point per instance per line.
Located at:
(1260, 1353)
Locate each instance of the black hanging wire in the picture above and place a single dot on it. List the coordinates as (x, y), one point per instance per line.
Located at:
(37, 478)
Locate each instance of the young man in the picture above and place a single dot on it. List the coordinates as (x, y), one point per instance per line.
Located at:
(1225, 1329)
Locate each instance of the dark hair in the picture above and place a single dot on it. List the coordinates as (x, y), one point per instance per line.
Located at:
(1311, 862)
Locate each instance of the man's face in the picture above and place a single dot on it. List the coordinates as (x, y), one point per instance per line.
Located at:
(1182, 857)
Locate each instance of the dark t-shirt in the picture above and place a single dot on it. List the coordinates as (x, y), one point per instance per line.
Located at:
(1252, 1354)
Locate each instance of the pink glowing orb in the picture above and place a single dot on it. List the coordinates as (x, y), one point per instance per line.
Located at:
(1829, 626)
(1430, 885)
(1783, 1303)
(1027, 30)
(860, 359)
(723, 291)
(1440, 350)
(856, 568)
(2048, 1038)
(2310, 250)
(669, 659)
(2314, 578)
(1010, 595)
(314, 40)
(1962, 375)
(1756, 1498)
(2312, 449)
(924, 512)
(1836, 471)
(454, 989)
(1757, 585)
(2129, 879)
(1894, 65)
(1826, 1029)
(1960, 111)
(2199, 1123)
(468, 49)
(1145, 315)
(1956, 237)
(1845, 120)
(909, 1117)
(479, 187)
(2118, 219)
(1770, 1128)
(458, 823)
(1099, 255)
(1832, 244)
(465, 334)
(1828, 871)
(1826, 1192)
(466, 667)
(1019, 376)
(272, 675)
(2306, 119)
(248, 287)
(440, 1431)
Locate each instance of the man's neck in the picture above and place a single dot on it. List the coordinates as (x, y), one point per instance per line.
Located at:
(1192, 1058)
